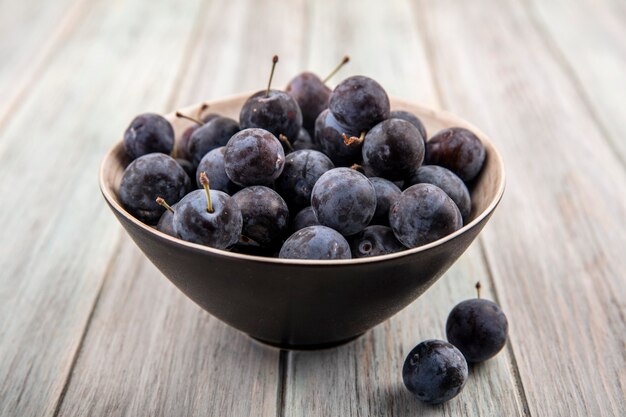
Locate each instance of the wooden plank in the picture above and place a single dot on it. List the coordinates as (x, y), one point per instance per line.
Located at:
(151, 352)
(381, 41)
(556, 248)
(183, 360)
(57, 234)
(594, 58)
(255, 33)
(30, 33)
(364, 377)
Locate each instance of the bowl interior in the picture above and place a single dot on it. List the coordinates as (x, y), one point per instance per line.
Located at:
(486, 190)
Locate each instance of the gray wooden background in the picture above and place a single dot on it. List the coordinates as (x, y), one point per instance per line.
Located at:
(89, 328)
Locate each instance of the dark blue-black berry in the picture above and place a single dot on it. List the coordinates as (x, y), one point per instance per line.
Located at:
(386, 194)
(208, 217)
(478, 328)
(301, 171)
(148, 133)
(272, 110)
(373, 241)
(253, 157)
(304, 218)
(435, 371)
(181, 148)
(304, 141)
(344, 199)
(393, 149)
(359, 103)
(329, 137)
(213, 165)
(311, 94)
(265, 215)
(448, 181)
(148, 177)
(457, 149)
(411, 118)
(422, 214)
(315, 242)
(211, 135)
(188, 166)
(166, 222)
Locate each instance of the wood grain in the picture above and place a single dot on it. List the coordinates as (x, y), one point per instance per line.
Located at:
(594, 58)
(184, 361)
(151, 352)
(557, 245)
(364, 377)
(89, 327)
(30, 33)
(57, 235)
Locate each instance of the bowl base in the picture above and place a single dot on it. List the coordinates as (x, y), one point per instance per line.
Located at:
(320, 346)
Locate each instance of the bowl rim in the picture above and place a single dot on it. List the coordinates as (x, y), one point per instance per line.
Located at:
(494, 154)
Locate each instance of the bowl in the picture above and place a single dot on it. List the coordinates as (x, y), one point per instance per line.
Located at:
(305, 304)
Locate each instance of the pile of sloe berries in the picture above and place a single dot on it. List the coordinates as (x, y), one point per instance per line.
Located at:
(315, 173)
(305, 173)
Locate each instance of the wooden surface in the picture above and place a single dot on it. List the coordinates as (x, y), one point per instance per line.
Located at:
(89, 328)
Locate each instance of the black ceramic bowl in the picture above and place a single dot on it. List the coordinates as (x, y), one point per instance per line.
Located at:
(300, 303)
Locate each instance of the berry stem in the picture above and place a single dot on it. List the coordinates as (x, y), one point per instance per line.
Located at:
(478, 289)
(343, 62)
(163, 203)
(358, 168)
(201, 110)
(184, 116)
(353, 139)
(285, 140)
(204, 180)
(269, 83)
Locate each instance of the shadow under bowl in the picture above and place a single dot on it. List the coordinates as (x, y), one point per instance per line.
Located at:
(305, 304)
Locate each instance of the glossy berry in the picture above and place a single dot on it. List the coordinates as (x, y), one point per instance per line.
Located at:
(148, 177)
(344, 199)
(304, 218)
(315, 242)
(272, 110)
(393, 149)
(386, 194)
(311, 94)
(208, 217)
(478, 328)
(211, 135)
(148, 133)
(457, 149)
(277, 113)
(422, 214)
(182, 145)
(359, 103)
(166, 222)
(329, 138)
(253, 157)
(301, 172)
(373, 241)
(411, 118)
(448, 182)
(265, 215)
(213, 165)
(435, 371)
